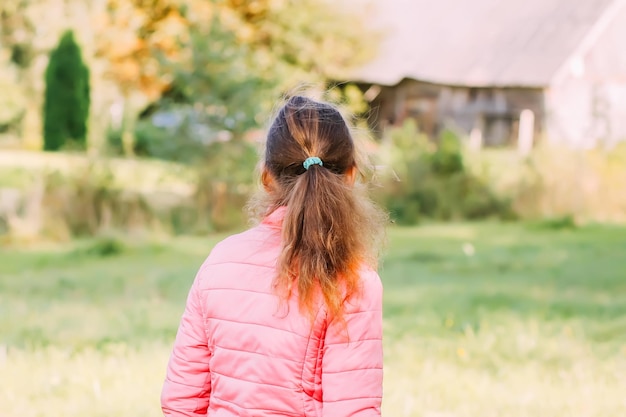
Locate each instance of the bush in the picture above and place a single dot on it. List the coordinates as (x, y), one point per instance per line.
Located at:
(66, 107)
(428, 179)
(560, 223)
(580, 185)
(153, 142)
(184, 138)
(78, 196)
(87, 202)
(226, 178)
(104, 247)
(447, 159)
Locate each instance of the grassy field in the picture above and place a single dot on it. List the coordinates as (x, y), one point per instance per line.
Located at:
(480, 320)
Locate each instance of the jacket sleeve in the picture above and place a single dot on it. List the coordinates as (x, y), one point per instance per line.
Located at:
(352, 363)
(187, 383)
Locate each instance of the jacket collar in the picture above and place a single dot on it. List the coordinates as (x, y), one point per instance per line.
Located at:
(275, 218)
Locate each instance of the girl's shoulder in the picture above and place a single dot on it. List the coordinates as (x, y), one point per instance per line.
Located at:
(256, 245)
(369, 276)
(370, 292)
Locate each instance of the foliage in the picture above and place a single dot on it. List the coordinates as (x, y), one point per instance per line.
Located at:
(559, 223)
(105, 246)
(555, 182)
(585, 185)
(240, 57)
(133, 34)
(222, 80)
(87, 202)
(308, 40)
(228, 60)
(226, 181)
(351, 101)
(224, 171)
(13, 102)
(515, 328)
(447, 159)
(67, 97)
(79, 196)
(177, 143)
(17, 30)
(29, 30)
(429, 179)
(141, 51)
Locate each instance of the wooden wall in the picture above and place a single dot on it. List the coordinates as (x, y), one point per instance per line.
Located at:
(494, 112)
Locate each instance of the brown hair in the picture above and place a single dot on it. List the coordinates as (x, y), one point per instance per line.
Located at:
(330, 227)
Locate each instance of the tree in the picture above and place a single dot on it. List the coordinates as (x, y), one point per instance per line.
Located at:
(241, 55)
(12, 102)
(133, 37)
(311, 40)
(221, 79)
(66, 105)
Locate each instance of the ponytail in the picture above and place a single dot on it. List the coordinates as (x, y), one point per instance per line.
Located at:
(320, 246)
(330, 229)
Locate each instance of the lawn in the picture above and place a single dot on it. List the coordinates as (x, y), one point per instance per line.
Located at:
(480, 320)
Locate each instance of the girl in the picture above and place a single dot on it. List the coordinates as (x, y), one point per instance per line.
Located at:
(285, 319)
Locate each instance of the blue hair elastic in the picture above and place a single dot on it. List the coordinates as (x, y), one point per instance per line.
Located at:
(312, 160)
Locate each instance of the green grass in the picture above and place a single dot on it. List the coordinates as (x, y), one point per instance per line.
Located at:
(480, 320)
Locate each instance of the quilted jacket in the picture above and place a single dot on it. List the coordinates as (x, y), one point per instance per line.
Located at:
(239, 351)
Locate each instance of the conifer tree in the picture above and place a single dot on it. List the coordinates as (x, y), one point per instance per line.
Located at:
(66, 106)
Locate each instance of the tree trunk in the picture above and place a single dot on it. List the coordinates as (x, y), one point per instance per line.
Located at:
(128, 128)
(32, 126)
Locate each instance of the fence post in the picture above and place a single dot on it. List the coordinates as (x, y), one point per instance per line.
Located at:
(526, 132)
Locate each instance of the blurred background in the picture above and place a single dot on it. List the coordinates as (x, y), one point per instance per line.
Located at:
(496, 133)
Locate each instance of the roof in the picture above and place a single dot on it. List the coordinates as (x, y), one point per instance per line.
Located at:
(480, 42)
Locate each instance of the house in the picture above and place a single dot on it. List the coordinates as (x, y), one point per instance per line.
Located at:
(479, 65)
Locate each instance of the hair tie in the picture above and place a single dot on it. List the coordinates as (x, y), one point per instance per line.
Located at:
(312, 160)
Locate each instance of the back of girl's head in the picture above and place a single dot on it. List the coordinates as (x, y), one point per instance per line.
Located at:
(331, 229)
(305, 128)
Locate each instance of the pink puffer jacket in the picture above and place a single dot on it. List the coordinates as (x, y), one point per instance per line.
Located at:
(241, 352)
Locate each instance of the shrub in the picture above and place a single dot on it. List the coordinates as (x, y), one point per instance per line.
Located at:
(66, 106)
(80, 196)
(186, 140)
(560, 223)
(429, 179)
(226, 181)
(105, 246)
(582, 185)
(447, 159)
(558, 186)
